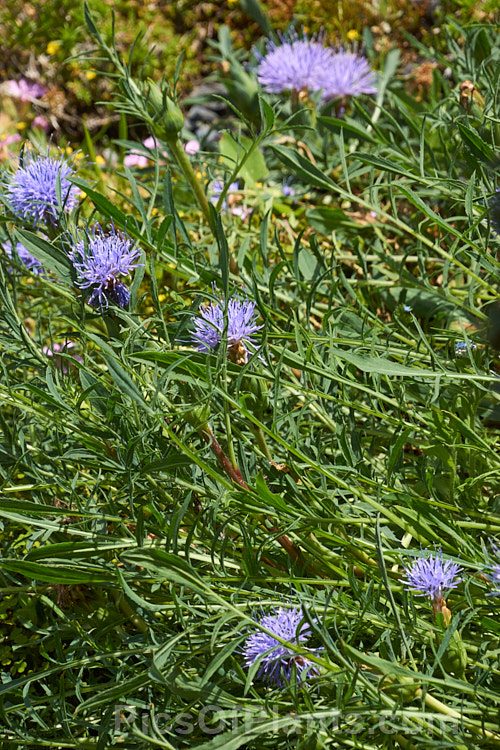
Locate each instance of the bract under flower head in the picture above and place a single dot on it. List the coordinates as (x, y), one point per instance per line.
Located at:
(431, 575)
(101, 260)
(26, 258)
(299, 64)
(33, 189)
(209, 327)
(276, 660)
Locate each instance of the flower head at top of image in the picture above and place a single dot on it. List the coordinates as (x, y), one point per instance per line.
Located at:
(33, 190)
(102, 260)
(430, 575)
(241, 327)
(299, 64)
(276, 660)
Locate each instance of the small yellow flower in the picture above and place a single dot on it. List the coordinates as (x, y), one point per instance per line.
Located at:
(68, 150)
(53, 47)
(21, 125)
(79, 155)
(99, 160)
(90, 75)
(352, 35)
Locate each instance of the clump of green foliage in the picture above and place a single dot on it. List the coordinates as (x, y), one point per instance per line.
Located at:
(158, 499)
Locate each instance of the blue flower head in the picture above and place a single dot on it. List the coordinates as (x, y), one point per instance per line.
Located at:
(431, 575)
(241, 326)
(25, 257)
(32, 191)
(101, 261)
(276, 660)
(299, 64)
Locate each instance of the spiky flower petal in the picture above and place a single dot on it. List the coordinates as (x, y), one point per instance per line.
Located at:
(276, 660)
(101, 260)
(431, 575)
(241, 326)
(349, 74)
(299, 64)
(33, 189)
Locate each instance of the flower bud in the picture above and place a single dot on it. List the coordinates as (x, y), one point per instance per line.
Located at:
(258, 400)
(471, 100)
(167, 116)
(400, 687)
(198, 417)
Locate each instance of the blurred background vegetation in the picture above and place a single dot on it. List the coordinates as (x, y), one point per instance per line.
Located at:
(47, 43)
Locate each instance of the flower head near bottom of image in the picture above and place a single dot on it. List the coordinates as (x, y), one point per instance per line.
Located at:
(101, 260)
(431, 575)
(276, 660)
(301, 64)
(241, 327)
(25, 258)
(39, 190)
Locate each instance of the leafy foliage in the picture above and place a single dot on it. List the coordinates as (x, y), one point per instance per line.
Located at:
(157, 500)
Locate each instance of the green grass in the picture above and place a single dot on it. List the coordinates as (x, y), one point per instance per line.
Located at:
(138, 552)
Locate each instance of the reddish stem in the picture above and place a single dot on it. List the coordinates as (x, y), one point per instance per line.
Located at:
(234, 473)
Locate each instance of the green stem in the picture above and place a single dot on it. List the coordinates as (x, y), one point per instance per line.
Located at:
(230, 446)
(189, 174)
(261, 442)
(442, 708)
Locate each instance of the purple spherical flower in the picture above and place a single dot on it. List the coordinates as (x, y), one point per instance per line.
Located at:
(293, 65)
(209, 327)
(431, 575)
(276, 660)
(26, 258)
(349, 74)
(100, 261)
(33, 188)
(306, 64)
